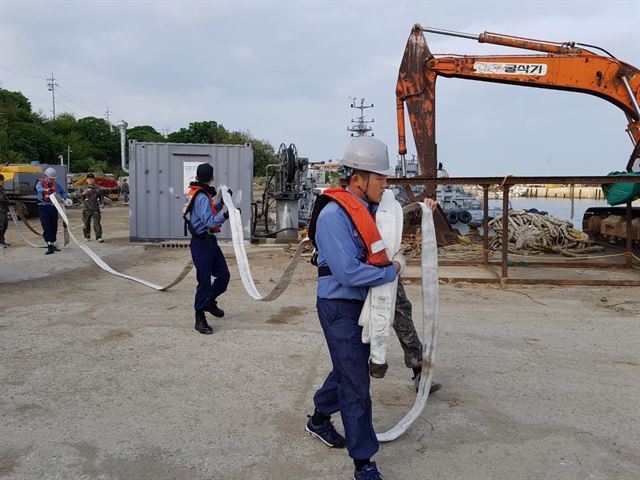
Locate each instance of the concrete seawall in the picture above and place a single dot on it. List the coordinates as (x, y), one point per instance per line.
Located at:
(576, 191)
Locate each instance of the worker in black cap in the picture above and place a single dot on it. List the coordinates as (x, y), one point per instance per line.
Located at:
(203, 217)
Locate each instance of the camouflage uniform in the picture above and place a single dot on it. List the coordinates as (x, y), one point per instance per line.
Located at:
(91, 197)
(406, 331)
(4, 214)
(124, 192)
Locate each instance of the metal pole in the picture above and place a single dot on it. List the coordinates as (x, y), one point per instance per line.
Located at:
(122, 126)
(631, 95)
(485, 226)
(403, 165)
(68, 159)
(451, 33)
(629, 251)
(505, 232)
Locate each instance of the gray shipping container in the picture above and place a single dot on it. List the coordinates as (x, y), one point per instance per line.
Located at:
(160, 174)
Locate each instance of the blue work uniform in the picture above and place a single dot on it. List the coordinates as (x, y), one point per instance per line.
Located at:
(340, 298)
(48, 213)
(206, 254)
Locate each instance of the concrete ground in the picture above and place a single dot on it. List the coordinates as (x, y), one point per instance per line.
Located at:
(103, 378)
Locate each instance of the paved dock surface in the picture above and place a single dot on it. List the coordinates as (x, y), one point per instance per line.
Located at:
(105, 379)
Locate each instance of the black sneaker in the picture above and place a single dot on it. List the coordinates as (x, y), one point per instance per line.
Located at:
(215, 310)
(368, 472)
(50, 250)
(326, 433)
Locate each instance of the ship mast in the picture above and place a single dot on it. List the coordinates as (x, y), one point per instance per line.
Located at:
(360, 127)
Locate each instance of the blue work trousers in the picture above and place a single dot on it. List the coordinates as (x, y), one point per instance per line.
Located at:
(49, 222)
(346, 389)
(209, 261)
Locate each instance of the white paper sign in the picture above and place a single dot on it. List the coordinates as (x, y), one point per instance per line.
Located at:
(494, 68)
(189, 174)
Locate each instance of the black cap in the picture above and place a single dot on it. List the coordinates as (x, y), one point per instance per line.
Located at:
(204, 172)
(90, 175)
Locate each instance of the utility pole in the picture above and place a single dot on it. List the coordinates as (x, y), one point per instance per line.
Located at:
(107, 116)
(69, 159)
(51, 86)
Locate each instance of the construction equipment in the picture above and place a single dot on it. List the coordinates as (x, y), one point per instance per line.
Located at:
(286, 186)
(20, 183)
(108, 183)
(562, 66)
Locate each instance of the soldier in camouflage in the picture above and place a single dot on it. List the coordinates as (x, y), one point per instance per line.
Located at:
(409, 340)
(92, 200)
(4, 213)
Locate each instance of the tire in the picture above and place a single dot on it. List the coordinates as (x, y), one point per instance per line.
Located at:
(452, 217)
(465, 216)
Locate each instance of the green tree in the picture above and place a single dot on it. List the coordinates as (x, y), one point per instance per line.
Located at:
(144, 133)
(263, 155)
(23, 135)
(104, 141)
(200, 132)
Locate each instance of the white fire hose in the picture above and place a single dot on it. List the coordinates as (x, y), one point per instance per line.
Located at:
(103, 265)
(16, 222)
(392, 215)
(379, 306)
(237, 238)
(377, 324)
(429, 274)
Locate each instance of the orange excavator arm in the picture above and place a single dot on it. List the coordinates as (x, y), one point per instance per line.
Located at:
(563, 66)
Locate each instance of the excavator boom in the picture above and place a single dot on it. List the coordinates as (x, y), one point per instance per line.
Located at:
(563, 66)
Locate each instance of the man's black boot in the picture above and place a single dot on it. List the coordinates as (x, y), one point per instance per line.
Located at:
(201, 323)
(215, 310)
(50, 250)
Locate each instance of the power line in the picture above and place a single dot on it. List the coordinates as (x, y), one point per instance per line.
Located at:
(77, 104)
(17, 72)
(91, 108)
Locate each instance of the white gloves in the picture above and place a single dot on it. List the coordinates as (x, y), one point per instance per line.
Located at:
(68, 202)
(399, 257)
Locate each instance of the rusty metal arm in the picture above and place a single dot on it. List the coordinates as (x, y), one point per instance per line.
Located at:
(566, 67)
(604, 77)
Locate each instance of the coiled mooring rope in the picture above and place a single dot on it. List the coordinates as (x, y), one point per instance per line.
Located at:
(535, 233)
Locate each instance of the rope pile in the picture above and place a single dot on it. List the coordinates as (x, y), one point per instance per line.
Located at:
(535, 233)
(465, 250)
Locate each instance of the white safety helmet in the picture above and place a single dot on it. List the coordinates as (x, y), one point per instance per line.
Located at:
(51, 173)
(368, 154)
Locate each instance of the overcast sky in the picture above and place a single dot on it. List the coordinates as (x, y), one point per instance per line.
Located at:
(285, 70)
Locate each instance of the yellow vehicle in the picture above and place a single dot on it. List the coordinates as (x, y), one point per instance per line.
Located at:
(20, 182)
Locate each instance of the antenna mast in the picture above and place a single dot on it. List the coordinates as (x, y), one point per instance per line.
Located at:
(360, 127)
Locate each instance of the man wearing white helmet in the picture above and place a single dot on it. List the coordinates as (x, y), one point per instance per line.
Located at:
(351, 258)
(46, 188)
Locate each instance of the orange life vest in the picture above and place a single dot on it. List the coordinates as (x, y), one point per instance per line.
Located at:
(48, 190)
(191, 196)
(362, 220)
